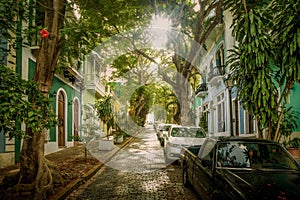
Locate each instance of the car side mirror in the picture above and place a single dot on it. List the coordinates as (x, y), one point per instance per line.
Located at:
(206, 163)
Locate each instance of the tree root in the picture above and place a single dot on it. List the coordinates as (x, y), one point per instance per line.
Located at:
(42, 186)
(55, 172)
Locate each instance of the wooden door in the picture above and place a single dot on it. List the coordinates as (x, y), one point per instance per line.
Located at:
(61, 118)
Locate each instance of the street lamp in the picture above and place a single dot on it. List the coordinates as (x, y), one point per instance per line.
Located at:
(229, 84)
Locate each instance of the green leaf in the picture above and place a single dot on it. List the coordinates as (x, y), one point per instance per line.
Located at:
(251, 16)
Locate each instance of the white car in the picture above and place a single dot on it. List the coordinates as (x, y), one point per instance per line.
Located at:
(179, 137)
(163, 132)
(158, 128)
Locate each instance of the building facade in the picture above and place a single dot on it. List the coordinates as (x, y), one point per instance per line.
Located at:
(219, 108)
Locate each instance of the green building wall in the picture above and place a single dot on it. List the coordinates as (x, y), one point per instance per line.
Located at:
(71, 94)
(295, 102)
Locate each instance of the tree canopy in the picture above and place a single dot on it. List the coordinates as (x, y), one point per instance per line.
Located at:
(15, 107)
(267, 57)
(63, 40)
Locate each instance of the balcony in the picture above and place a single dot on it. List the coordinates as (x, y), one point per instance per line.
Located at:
(216, 75)
(73, 76)
(93, 82)
(201, 90)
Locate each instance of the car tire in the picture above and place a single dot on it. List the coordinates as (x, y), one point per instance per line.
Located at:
(167, 160)
(162, 142)
(185, 178)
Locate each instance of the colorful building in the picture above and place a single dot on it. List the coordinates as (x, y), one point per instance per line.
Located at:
(95, 88)
(214, 95)
(65, 94)
(215, 105)
(9, 148)
(220, 108)
(66, 100)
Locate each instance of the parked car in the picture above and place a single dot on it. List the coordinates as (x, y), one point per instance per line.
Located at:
(179, 137)
(158, 128)
(148, 124)
(163, 132)
(241, 168)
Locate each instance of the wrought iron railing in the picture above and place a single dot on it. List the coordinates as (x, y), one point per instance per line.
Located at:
(215, 72)
(201, 88)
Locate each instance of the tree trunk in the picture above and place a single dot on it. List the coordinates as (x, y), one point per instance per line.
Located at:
(35, 175)
(184, 107)
(184, 69)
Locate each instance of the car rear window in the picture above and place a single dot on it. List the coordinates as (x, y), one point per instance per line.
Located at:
(188, 132)
(237, 154)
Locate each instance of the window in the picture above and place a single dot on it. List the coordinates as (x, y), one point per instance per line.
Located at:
(220, 113)
(249, 123)
(220, 56)
(251, 154)
(2, 140)
(204, 117)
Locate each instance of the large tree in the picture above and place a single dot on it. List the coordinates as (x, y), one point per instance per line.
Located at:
(64, 39)
(35, 175)
(266, 58)
(193, 23)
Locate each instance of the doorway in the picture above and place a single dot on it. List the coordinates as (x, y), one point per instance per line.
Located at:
(61, 119)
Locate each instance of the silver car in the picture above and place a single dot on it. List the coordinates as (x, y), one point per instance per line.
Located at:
(163, 132)
(181, 136)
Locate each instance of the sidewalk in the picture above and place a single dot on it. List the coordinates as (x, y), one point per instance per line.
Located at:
(74, 168)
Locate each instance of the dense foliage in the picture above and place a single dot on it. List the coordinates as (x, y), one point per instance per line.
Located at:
(267, 57)
(15, 107)
(105, 112)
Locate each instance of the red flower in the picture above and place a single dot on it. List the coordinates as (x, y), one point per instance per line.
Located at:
(44, 33)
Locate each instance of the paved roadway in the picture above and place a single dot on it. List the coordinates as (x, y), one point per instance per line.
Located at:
(136, 172)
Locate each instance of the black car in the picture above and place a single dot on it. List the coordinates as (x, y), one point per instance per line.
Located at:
(242, 168)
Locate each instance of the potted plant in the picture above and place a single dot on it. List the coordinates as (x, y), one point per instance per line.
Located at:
(105, 113)
(293, 146)
(119, 137)
(287, 127)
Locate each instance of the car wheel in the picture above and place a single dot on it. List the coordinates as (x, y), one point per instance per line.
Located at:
(162, 142)
(167, 160)
(185, 178)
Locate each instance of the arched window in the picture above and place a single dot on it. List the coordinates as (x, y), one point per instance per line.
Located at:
(220, 56)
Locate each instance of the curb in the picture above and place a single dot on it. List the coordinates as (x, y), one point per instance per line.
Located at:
(80, 181)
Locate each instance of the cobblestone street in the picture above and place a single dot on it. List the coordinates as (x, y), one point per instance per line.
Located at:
(137, 172)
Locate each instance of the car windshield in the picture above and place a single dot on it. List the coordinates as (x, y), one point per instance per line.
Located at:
(237, 154)
(188, 132)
